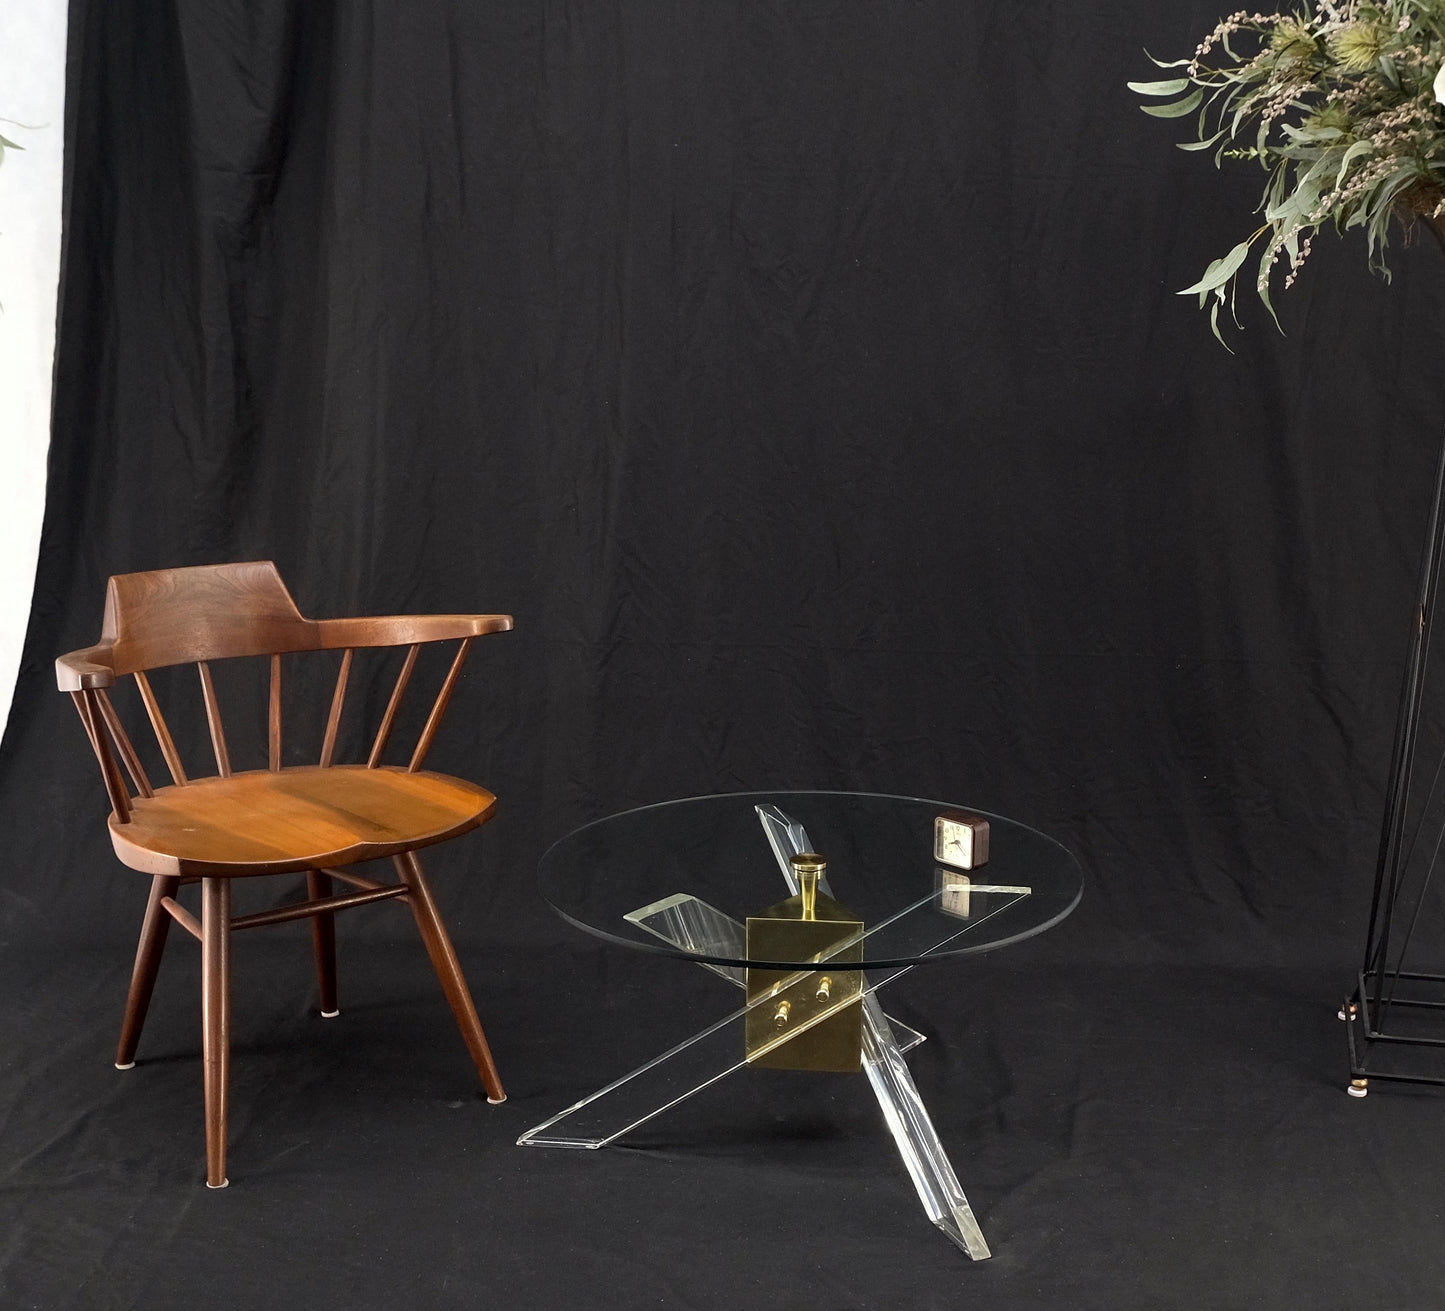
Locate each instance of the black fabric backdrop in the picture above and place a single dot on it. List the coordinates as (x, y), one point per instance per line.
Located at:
(806, 379)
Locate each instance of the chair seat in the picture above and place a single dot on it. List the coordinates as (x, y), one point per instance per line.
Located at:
(264, 822)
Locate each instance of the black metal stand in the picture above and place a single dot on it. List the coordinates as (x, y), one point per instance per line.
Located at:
(1389, 1014)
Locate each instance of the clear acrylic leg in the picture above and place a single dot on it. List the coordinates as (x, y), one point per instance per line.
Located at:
(677, 1074)
(903, 1109)
(687, 922)
(914, 1134)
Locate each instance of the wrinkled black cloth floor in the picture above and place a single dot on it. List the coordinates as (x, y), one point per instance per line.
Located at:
(1130, 1137)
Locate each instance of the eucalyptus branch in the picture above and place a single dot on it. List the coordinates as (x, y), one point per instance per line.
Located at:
(1339, 103)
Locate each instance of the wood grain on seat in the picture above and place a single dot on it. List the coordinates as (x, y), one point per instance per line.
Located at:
(263, 822)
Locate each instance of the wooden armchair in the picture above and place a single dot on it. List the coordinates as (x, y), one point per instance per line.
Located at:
(301, 819)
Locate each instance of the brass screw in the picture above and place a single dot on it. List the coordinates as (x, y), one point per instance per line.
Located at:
(825, 988)
(780, 1016)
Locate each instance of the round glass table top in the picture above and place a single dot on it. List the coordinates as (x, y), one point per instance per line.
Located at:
(683, 878)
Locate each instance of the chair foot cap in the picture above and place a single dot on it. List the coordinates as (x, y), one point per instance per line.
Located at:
(1357, 1092)
(329, 1015)
(496, 1101)
(119, 1066)
(225, 1183)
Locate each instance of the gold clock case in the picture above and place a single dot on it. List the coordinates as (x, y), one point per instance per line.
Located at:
(823, 1008)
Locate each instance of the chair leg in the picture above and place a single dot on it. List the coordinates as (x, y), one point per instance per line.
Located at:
(147, 965)
(323, 943)
(449, 971)
(216, 1015)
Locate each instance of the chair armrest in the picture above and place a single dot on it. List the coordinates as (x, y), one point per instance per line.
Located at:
(405, 630)
(88, 667)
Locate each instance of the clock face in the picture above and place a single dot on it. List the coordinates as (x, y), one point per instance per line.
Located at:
(960, 841)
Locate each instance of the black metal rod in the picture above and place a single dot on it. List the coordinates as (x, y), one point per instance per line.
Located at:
(1401, 1078)
(1415, 976)
(1395, 1039)
(1414, 915)
(1378, 981)
(1387, 868)
(1419, 1003)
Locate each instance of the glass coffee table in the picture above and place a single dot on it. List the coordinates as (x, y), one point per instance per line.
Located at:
(697, 879)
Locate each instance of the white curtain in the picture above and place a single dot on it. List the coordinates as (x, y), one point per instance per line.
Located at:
(32, 103)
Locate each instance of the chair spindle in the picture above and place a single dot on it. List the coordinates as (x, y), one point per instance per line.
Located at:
(333, 720)
(273, 735)
(163, 734)
(213, 718)
(356, 880)
(110, 771)
(123, 744)
(388, 719)
(182, 916)
(439, 707)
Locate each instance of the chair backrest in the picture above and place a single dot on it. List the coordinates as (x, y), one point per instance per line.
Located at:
(212, 612)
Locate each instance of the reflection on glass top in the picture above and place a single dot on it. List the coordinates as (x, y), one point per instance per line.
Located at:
(681, 878)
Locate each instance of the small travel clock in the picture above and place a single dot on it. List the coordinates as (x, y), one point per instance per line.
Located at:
(960, 840)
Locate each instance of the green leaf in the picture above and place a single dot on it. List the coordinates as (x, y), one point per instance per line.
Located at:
(1311, 133)
(10, 145)
(1170, 87)
(1354, 152)
(1172, 63)
(1214, 324)
(1179, 108)
(1220, 272)
(1240, 110)
(1201, 145)
(1266, 263)
(1208, 273)
(1286, 211)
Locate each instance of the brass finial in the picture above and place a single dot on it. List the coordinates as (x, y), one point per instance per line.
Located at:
(809, 866)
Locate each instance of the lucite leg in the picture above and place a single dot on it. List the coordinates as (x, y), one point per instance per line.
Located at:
(914, 1134)
(903, 1109)
(712, 1055)
(687, 922)
(676, 1075)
